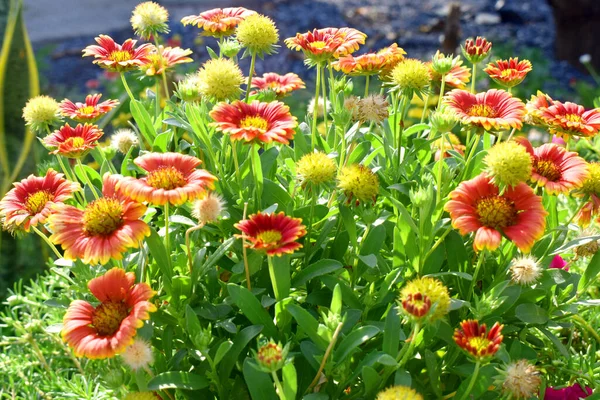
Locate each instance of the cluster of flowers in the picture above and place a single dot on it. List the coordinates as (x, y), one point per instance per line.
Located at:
(503, 201)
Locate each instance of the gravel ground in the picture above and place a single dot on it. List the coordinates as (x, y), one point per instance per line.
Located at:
(416, 25)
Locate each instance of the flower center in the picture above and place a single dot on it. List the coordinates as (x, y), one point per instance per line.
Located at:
(35, 202)
(167, 178)
(479, 343)
(87, 110)
(217, 17)
(482, 110)
(573, 118)
(318, 44)
(547, 169)
(255, 122)
(75, 142)
(506, 73)
(273, 85)
(417, 304)
(269, 354)
(108, 317)
(102, 217)
(269, 237)
(119, 56)
(496, 212)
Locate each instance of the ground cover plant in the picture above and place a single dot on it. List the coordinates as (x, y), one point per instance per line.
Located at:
(405, 242)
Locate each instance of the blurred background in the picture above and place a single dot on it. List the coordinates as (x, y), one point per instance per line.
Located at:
(42, 42)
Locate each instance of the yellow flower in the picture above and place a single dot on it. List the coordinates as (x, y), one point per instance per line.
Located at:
(411, 76)
(358, 181)
(591, 185)
(149, 19)
(41, 112)
(508, 164)
(315, 168)
(258, 34)
(399, 393)
(220, 79)
(425, 298)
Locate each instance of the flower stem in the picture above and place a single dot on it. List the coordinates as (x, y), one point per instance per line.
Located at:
(307, 245)
(367, 85)
(326, 356)
(279, 280)
(280, 392)
(470, 156)
(253, 166)
(473, 78)
(441, 163)
(167, 239)
(86, 178)
(164, 73)
(236, 165)
(187, 244)
(323, 84)
(245, 253)
(332, 93)
(475, 275)
(472, 382)
(48, 242)
(441, 91)
(425, 108)
(126, 86)
(249, 84)
(315, 109)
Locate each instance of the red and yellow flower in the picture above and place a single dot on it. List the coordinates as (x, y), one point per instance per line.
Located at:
(476, 50)
(280, 84)
(324, 44)
(89, 111)
(171, 178)
(218, 22)
(494, 109)
(105, 229)
(570, 119)
(590, 187)
(163, 58)
(255, 122)
(475, 339)
(116, 57)
(535, 106)
(457, 77)
(73, 142)
(106, 330)
(30, 202)
(276, 234)
(477, 206)
(508, 73)
(555, 168)
(370, 63)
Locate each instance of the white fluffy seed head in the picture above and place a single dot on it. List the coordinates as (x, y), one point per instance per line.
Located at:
(208, 209)
(124, 139)
(521, 380)
(525, 270)
(138, 355)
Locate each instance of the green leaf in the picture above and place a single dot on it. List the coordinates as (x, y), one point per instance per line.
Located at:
(192, 323)
(157, 249)
(143, 120)
(575, 243)
(321, 267)
(556, 341)
(221, 351)
(239, 343)
(214, 257)
(178, 380)
(359, 153)
(308, 324)
(371, 379)
(353, 341)
(161, 142)
(274, 193)
(251, 308)
(531, 314)
(391, 332)
(290, 381)
(259, 383)
(90, 172)
(349, 223)
(336, 300)
(414, 129)
(590, 273)
(257, 170)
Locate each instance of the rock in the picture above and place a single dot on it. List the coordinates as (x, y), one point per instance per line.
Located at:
(487, 19)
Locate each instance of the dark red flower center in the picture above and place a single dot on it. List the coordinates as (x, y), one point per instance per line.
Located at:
(102, 217)
(417, 304)
(35, 202)
(496, 212)
(547, 169)
(108, 317)
(167, 178)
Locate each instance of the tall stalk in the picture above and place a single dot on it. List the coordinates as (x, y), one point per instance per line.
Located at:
(315, 109)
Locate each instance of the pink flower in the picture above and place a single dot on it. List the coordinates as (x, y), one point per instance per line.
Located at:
(559, 262)
(574, 392)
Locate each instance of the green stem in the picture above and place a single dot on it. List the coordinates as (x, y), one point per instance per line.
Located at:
(126, 86)
(307, 245)
(472, 382)
(257, 194)
(511, 134)
(65, 171)
(440, 169)
(323, 85)
(475, 275)
(367, 85)
(473, 78)
(279, 280)
(167, 239)
(48, 242)
(425, 108)
(86, 178)
(236, 165)
(157, 100)
(280, 392)
(404, 104)
(332, 93)
(411, 345)
(249, 84)
(164, 73)
(470, 156)
(316, 109)
(441, 91)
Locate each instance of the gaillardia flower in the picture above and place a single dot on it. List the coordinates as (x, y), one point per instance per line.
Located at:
(115, 57)
(41, 112)
(477, 206)
(410, 76)
(508, 73)
(104, 229)
(370, 63)
(450, 142)
(218, 22)
(475, 339)
(163, 58)
(315, 169)
(591, 188)
(258, 34)
(554, 168)
(457, 77)
(106, 330)
(73, 142)
(255, 122)
(358, 182)
(535, 107)
(494, 109)
(508, 164)
(170, 178)
(89, 111)
(399, 392)
(570, 119)
(425, 297)
(525, 270)
(520, 380)
(30, 202)
(149, 19)
(220, 79)
(280, 84)
(276, 234)
(271, 356)
(322, 45)
(476, 50)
